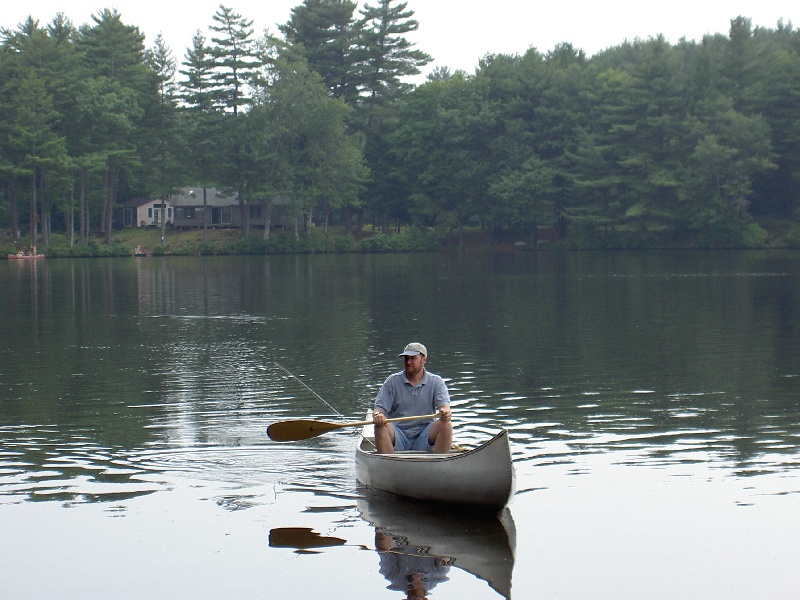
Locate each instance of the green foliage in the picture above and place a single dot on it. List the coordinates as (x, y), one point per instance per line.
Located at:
(754, 236)
(408, 240)
(325, 33)
(792, 235)
(234, 59)
(380, 242)
(344, 244)
(60, 248)
(646, 144)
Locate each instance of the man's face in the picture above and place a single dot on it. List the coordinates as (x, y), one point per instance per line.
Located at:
(413, 364)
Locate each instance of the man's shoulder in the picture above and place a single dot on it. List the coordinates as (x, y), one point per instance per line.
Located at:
(432, 377)
(396, 378)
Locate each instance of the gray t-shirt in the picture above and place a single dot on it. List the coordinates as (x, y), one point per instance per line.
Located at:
(398, 398)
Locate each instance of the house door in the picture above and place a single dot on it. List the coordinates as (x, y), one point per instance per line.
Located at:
(221, 215)
(158, 213)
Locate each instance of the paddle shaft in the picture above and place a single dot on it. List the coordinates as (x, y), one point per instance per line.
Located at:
(433, 416)
(292, 431)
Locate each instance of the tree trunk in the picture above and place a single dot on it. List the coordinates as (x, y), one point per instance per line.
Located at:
(244, 214)
(534, 235)
(13, 217)
(360, 223)
(108, 211)
(44, 209)
(82, 209)
(348, 220)
(87, 215)
(267, 219)
(33, 216)
(102, 229)
(71, 218)
(205, 214)
(164, 221)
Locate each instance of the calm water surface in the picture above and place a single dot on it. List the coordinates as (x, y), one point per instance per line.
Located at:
(653, 401)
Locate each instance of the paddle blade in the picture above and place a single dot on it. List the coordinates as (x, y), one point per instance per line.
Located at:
(302, 429)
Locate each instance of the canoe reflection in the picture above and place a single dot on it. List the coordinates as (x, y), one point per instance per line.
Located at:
(418, 545)
(409, 569)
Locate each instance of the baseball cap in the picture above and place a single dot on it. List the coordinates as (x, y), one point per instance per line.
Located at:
(415, 348)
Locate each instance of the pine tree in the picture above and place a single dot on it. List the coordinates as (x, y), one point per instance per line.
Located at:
(388, 56)
(234, 58)
(200, 118)
(325, 31)
(113, 99)
(163, 144)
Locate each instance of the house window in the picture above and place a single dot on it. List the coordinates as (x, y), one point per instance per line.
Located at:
(255, 212)
(150, 213)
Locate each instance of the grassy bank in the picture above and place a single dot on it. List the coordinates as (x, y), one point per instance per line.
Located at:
(224, 242)
(128, 242)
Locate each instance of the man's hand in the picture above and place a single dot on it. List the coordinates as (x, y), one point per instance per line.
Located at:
(444, 413)
(378, 419)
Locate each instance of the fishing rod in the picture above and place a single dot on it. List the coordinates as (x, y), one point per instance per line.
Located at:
(303, 383)
(321, 399)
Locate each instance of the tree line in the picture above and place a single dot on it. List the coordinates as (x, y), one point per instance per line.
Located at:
(644, 143)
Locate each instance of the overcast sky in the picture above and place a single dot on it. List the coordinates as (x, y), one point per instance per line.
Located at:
(457, 33)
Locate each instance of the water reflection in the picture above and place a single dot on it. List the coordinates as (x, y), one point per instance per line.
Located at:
(37, 464)
(304, 539)
(417, 545)
(409, 569)
(599, 351)
(129, 385)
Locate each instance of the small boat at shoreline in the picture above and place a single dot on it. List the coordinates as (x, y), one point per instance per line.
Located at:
(20, 256)
(481, 477)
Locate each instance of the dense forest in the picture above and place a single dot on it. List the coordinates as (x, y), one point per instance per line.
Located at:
(645, 144)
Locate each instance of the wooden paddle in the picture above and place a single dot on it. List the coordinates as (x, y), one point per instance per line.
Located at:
(303, 429)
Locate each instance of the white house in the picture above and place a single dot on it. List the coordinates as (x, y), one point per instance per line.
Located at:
(146, 212)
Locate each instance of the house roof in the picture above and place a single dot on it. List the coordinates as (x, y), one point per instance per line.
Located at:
(137, 202)
(193, 196)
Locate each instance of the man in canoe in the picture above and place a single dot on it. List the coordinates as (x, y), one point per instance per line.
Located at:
(413, 391)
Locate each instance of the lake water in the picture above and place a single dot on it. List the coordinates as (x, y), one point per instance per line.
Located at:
(653, 401)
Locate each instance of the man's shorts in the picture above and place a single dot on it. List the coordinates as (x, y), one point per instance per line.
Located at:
(418, 442)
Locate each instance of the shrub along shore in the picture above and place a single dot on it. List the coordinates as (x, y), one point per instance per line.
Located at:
(131, 242)
(230, 242)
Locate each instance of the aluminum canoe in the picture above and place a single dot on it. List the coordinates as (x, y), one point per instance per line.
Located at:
(481, 477)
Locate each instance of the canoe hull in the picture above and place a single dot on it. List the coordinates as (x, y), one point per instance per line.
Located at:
(25, 256)
(481, 477)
